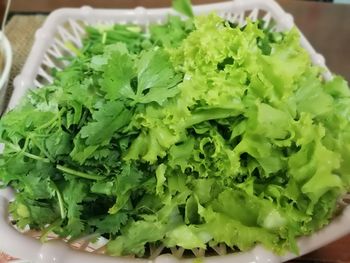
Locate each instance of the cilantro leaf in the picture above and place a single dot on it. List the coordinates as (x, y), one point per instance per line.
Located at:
(73, 194)
(127, 181)
(157, 79)
(117, 76)
(107, 119)
(110, 224)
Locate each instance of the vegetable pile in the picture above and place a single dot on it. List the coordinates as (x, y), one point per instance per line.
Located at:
(198, 133)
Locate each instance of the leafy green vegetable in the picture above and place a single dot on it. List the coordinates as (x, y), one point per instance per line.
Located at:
(197, 133)
(184, 7)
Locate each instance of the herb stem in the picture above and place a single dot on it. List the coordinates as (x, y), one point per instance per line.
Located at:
(60, 200)
(60, 203)
(29, 155)
(43, 150)
(49, 229)
(36, 157)
(47, 124)
(79, 174)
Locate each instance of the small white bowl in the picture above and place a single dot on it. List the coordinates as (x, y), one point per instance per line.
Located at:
(5, 73)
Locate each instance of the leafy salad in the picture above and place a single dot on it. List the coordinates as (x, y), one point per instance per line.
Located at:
(197, 133)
